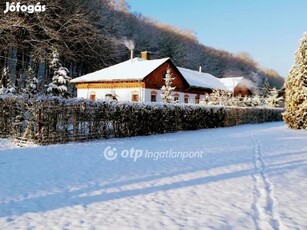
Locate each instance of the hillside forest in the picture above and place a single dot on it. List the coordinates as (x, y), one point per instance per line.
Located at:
(92, 34)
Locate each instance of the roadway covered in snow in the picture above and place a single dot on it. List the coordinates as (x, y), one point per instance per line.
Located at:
(245, 177)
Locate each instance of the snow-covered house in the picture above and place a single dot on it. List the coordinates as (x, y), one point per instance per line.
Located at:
(238, 85)
(140, 80)
(230, 82)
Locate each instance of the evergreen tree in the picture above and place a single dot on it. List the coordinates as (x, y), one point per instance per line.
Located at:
(4, 81)
(273, 99)
(6, 85)
(296, 90)
(167, 88)
(266, 88)
(60, 79)
(31, 82)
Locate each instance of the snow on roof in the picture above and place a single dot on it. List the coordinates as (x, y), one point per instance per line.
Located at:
(230, 82)
(138, 69)
(135, 69)
(203, 80)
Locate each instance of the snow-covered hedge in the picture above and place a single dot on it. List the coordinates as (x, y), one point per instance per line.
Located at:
(8, 113)
(220, 97)
(251, 115)
(54, 120)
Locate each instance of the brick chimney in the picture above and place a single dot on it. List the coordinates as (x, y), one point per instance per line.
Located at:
(145, 55)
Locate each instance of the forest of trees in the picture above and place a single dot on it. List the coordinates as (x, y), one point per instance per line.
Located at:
(89, 35)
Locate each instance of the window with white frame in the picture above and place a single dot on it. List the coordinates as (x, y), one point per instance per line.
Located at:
(153, 96)
(186, 98)
(176, 97)
(197, 98)
(92, 95)
(135, 97)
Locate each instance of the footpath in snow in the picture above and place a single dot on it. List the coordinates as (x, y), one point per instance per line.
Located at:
(244, 177)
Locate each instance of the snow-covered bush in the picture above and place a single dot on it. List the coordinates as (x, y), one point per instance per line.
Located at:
(273, 99)
(220, 97)
(56, 120)
(251, 101)
(167, 89)
(296, 90)
(217, 97)
(251, 115)
(60, 79)
(257, 100)
(10, 109)
(248, 101)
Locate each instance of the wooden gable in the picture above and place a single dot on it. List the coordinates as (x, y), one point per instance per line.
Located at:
(155, 79)
(242, 90)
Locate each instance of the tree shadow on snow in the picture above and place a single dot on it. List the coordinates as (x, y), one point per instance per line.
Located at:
(87, 196)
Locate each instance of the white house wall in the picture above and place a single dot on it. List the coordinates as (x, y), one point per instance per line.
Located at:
(148, 93)
(123, 94)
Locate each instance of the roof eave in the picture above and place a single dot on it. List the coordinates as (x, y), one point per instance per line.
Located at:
(200, 87)
(113, 80)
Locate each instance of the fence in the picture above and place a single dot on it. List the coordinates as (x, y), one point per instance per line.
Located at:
(48, 120)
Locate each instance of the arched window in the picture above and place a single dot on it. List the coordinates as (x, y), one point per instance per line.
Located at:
(135, 97)
(93, 95)
(153, 96)
(186, 98)
(176, 97)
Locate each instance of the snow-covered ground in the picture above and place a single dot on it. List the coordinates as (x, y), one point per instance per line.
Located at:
(245, 177)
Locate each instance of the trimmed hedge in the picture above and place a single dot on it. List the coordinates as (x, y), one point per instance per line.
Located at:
(47, 120)
(251, 115)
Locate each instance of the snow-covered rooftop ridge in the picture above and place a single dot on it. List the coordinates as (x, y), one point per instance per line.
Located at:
(230, 82)
(199, 79)
(135, 69)
(138, 69)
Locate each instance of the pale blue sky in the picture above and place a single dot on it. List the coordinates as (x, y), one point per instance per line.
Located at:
(269, 30)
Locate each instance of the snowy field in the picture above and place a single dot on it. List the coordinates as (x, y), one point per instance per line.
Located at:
(245, 177)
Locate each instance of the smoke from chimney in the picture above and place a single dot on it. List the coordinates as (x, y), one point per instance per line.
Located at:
(130, 45)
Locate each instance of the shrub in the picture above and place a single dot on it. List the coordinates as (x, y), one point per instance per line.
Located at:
(47, 120)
